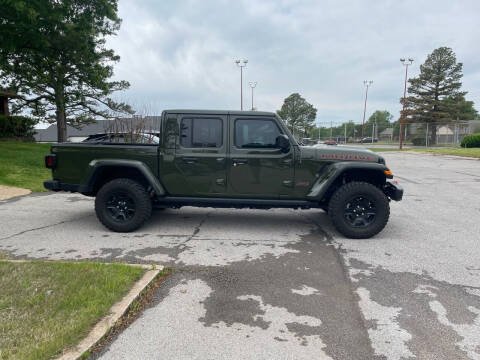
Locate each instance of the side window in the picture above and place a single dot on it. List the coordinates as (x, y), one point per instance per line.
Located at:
(201, 132)
(171, 131)
(256, 133)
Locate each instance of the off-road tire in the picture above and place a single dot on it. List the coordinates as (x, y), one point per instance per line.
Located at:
(133, 191)
(344, 195)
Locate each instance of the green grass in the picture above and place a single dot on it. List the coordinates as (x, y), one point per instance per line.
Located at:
(384, 149)
(390, 143)
(46, 307)
(469, 152)
(22, 165)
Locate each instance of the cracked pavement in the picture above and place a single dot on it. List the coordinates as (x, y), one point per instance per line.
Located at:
(282, 283)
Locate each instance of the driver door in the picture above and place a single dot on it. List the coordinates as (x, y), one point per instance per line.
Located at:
(256, 167)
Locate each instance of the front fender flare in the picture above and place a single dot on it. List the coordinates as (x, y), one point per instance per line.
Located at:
(95, 166)
(332, 172)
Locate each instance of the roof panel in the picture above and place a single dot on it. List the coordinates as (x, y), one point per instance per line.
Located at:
(219, 112)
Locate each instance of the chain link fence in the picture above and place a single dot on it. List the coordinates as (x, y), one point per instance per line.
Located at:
(430, 134)
(415, 134)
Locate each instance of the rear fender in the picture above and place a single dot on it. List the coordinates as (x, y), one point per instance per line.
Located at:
(95, 167)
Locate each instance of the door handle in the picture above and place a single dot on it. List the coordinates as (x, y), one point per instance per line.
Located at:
(189, 160)
(237, 162)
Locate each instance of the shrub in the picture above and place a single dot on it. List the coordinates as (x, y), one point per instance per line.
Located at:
(418, 141)
(471, 141)
(16, 127)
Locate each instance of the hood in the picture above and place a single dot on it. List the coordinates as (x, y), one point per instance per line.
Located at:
(339, 153)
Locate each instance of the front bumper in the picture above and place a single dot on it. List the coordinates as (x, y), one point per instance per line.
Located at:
(393, 191)
(55, 185)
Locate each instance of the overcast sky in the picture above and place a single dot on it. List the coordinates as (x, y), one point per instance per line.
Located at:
(180, 54)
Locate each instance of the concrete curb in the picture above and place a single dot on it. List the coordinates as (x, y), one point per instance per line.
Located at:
(116, 311)
(10, 192)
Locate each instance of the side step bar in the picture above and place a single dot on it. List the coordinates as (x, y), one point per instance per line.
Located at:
(177, 201)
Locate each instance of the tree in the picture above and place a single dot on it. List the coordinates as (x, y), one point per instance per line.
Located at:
(16, 127)
(334, 132)
(460, 109)
(439, 80)
(381, 118)
(298, 114)
(53, 56)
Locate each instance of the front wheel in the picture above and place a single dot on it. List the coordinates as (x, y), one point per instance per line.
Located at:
(123, 205)
(359, 210)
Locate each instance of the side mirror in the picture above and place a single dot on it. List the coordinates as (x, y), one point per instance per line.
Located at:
(283, 143)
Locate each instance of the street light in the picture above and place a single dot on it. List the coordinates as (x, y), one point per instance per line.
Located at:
(241, 64)
(367, 84)
(252, 86)
(402, 121)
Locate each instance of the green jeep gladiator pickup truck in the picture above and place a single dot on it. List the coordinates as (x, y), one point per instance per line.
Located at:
(231, 159)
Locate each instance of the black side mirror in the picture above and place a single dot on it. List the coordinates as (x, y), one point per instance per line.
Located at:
(283, 143)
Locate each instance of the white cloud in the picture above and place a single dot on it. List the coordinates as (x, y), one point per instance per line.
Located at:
(181, 54)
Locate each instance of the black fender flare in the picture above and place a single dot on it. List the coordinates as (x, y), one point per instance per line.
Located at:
(332, 172)
(95, 167)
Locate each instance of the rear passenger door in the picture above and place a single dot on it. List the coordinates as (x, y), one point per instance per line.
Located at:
(200, 155)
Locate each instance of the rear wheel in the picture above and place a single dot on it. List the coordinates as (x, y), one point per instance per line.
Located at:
(123, 205)
(359, 210)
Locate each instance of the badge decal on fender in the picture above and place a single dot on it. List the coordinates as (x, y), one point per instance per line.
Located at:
(348, 157)
(302, 183)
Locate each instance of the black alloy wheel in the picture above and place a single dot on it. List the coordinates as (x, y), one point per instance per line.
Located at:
(359, 210)
(123, 205)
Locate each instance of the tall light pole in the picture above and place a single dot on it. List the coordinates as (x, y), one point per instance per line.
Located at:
(241, 64)
(252, 86)
(402, 122)
(367, 84)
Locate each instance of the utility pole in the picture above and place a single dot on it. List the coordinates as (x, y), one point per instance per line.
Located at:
(374, 127)
(241, 64)
(345, 136)
(252, 86)
(331, 124)
(367, 84)
(402, 121)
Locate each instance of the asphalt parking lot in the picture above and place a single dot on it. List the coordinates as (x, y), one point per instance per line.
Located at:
(281, 284)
